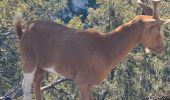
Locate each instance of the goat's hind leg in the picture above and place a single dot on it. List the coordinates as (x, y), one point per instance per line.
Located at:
(39, 75)
(27, 82)
(85, 92)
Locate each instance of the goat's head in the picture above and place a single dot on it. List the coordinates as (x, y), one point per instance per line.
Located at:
(151, 36)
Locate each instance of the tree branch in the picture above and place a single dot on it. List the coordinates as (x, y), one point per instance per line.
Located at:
(52, 84)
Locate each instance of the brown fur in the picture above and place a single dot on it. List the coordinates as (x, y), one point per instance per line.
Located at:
(85, 56)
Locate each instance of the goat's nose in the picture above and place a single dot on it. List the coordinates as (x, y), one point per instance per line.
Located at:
(163, 48)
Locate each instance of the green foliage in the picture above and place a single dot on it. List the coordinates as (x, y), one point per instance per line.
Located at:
(9, 66)
(112, 13)
(75, 22)
(139, 76)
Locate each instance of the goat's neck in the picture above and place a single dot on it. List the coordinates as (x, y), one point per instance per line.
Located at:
(121, 41)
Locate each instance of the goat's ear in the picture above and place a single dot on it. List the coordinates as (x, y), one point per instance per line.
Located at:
(158, 22)
(167, 21)
(161, 22)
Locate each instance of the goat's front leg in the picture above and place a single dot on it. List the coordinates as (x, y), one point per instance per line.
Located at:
(85, 92)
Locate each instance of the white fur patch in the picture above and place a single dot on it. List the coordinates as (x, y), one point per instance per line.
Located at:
(50, 69)
(147, 50)
(26, 84)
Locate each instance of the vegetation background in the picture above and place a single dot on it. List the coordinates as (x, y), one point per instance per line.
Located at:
(139, 76)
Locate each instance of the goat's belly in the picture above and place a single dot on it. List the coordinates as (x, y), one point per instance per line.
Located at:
(50, 69)
(67, 74)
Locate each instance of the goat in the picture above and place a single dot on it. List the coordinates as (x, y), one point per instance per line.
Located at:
(85, 56)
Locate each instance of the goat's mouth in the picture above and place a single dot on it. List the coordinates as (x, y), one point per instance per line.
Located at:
(158, 50)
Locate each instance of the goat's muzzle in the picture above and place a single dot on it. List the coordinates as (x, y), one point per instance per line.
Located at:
(159, 50)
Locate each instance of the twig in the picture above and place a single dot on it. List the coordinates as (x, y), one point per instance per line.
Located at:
(18, 92)
(14, 90)
(7, 80)
(103, 95)
(8, 96)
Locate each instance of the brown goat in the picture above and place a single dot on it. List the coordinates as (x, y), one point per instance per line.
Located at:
(85, 56)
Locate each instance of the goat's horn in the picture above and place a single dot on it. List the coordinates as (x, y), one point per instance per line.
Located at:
(146, 9)
(155, 4)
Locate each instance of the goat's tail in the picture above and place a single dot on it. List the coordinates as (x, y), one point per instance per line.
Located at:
(17, 24)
